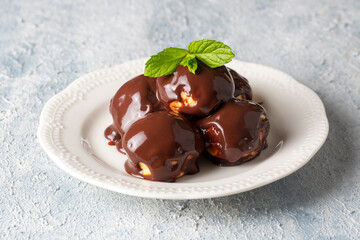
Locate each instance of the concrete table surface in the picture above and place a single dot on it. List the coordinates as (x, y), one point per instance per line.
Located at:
(45, 45)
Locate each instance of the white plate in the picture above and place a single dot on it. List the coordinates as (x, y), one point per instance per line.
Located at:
(72, 125)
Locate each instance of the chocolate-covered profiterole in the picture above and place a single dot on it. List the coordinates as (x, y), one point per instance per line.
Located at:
(195, 94)
(132, 101)
(235, 133)
(162, 147)
(242, 86)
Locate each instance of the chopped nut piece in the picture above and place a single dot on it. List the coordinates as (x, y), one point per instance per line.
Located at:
(187, 99)
(180, 174)
(145, 169)
(261, 135)
(175, 105)
(253, 153)
(262, 117)
(241, 97)
(173, 163)
(213, 150)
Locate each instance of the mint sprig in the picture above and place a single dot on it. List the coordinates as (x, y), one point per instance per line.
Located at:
(190, 62)
(212, 53)
(165, 62)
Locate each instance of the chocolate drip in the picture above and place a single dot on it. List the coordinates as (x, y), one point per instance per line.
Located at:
(112, 135)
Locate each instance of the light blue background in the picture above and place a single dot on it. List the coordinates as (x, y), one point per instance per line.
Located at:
(45, 45)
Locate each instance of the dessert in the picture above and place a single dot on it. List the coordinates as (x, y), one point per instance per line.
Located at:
(186, 101)
(162, 147)
(195, 94)
(132, 101)
(250, 123)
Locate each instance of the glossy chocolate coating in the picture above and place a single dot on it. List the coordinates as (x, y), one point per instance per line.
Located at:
(112, 135)
(133, 101)
(209, 88)
(168, 144)
(242, 86)
(235, 133)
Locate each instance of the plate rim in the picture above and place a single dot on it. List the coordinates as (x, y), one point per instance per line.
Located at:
(72, 90)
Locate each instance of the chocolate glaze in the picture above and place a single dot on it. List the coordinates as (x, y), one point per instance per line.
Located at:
(112, 135)
(235, 133)
(133, 101)
(168, 144)
(242, 86)
(163, 146)
(209, 87)
(114, 138)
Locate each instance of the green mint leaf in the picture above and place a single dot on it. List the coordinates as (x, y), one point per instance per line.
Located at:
(212, 53)
(165, 62)
(190, 62)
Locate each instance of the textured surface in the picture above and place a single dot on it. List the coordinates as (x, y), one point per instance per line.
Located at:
(45, 46)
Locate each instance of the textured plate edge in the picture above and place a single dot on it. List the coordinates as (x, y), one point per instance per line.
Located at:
(177, 195)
